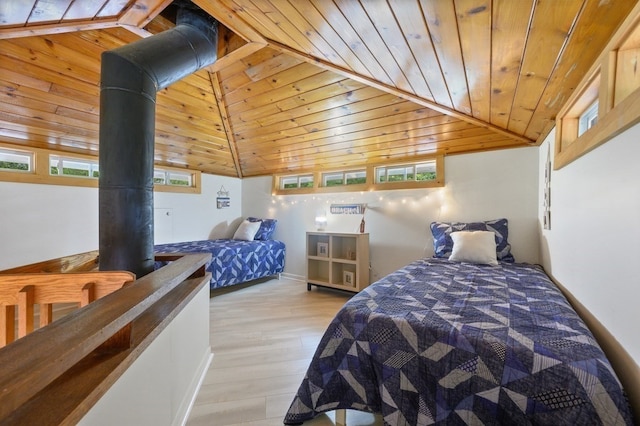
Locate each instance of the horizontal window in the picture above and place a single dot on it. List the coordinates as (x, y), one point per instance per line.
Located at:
(295, 182)
(45, 166)
(419, 172)
(427, 173)
(15, 161)
(64, 166)
(341, 178)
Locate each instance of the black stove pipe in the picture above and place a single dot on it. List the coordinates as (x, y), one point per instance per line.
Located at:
(131, 76)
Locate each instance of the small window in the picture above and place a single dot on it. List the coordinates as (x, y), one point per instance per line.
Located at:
(179, 179)
(332, 179)
(427, 173)
(407, 173)
(341, 178)
(159, 177)
(15, 161)
(75, 167)
(294, 182)
(306, 181)
(356, 178)
(171, 178)
(588, 118)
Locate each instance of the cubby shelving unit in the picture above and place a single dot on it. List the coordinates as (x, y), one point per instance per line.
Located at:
(338, 260)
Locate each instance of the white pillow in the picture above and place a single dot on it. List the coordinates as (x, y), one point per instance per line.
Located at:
(246, 231)
(474, 247)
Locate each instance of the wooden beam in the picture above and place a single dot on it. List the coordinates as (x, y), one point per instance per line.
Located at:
(141, 12)
(233, 146)
(231, 20)
(57, 28)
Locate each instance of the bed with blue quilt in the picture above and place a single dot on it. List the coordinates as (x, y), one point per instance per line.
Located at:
(236, 261)
(457, 342)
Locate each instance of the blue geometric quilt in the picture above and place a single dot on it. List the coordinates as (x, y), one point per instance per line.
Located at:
(439, 342)
(234, 261)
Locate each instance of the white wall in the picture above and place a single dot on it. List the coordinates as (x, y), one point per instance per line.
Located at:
(196, 217)
(40, 222)
(593, 246)
(478, 187)
(160, 386)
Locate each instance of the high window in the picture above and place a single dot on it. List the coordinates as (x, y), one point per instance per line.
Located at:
(15, 161)
(426, 173)
(35, 165)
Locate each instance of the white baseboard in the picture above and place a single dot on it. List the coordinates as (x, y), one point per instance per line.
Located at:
(294, 277)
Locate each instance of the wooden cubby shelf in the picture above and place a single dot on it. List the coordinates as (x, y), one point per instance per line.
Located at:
(338, 260)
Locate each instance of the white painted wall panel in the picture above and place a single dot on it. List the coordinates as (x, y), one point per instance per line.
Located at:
(593, 245)
(160, 386)
(41, 222)
(478, 187)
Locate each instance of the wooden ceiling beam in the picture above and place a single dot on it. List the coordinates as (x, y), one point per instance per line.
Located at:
(231, 20)
(233, 148)
(141, 12)
(57, 28)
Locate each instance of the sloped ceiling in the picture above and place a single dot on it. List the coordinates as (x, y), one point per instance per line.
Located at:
(307, 84)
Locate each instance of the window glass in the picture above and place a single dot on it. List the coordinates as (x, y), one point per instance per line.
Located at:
(180, 179)
(357, 177)
(289, 182)
(306, 181)
(13, 161)
(63, 166)
(426, 171)
(588, 118)
(333, 179)
(159, 177)
(407, 172)
(397, 174)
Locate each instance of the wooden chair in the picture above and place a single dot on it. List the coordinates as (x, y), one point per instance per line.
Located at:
(26, 291)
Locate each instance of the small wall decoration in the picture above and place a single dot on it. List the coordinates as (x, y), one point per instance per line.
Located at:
(347, 208)
(223, 201)
(349, 278)
(323, 249)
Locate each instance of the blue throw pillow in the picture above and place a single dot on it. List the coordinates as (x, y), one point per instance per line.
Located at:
(267, 228)
(443, 244)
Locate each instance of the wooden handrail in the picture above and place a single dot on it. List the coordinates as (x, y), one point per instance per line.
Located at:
(82, 262)
(34, 362)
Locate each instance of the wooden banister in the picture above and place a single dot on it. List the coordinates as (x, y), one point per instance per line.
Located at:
(37, 367)
(81, 262)
(45, 289)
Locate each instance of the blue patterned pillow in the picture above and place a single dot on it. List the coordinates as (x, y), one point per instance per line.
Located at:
(442, 243)
(267, 228)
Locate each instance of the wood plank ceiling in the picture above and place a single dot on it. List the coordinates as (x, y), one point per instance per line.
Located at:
(306, 84)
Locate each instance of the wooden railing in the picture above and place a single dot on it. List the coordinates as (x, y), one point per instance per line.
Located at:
(57, 373)
(38, 292)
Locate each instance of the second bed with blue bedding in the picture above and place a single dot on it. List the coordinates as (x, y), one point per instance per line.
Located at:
(234, 261)
(251, 254)
(442, 342)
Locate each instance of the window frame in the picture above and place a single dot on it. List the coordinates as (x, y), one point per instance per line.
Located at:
(41, 171)
(18, 152)
(612, 82)
(370, 181)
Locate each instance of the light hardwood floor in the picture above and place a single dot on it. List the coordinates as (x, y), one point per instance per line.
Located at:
(262, 337)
